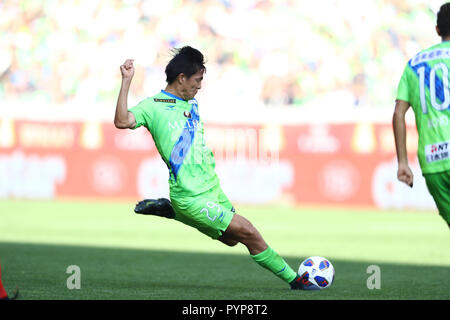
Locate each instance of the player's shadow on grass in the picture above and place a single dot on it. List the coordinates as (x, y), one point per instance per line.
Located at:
(118, 273)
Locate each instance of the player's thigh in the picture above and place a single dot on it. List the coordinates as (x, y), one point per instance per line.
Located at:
(204, 213)
(439, 185)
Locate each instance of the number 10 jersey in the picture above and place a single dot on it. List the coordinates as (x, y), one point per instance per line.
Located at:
(425, 86)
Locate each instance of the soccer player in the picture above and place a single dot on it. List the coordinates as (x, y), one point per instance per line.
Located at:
(424, 85)
(196, 198)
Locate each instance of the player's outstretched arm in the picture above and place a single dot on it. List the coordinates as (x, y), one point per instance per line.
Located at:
(123, 118)
(404, 173)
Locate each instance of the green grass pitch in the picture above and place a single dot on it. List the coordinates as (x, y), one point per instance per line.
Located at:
(122, 255)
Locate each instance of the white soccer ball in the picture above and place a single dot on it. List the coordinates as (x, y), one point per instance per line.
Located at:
(317, 273)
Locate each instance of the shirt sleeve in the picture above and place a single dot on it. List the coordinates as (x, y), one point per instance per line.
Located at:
(142, 113)
(403, 89)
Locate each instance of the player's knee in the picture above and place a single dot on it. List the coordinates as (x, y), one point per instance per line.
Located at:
(231, 243)
(228, 240)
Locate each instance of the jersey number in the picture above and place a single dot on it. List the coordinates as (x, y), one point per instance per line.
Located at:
(211, 205)
(432, 76)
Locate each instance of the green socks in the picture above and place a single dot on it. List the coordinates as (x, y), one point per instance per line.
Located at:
(272, 261)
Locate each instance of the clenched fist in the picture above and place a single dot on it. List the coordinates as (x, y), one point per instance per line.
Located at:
(405, 175)
(127, 69)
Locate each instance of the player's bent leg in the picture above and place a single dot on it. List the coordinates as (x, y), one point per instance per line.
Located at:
(220, 223)
(242, 230)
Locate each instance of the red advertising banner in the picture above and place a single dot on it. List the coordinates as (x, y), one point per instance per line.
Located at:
(331, 164)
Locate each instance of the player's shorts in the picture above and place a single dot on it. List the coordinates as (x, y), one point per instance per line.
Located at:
(209, 212)
(439, 185)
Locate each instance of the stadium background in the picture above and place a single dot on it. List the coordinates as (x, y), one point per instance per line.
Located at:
(297, 98)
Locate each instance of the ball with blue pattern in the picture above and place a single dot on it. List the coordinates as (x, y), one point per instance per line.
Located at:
(317, 273)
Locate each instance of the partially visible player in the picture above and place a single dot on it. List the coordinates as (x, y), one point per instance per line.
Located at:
(424, 85)
(3, 294)
(196, 198)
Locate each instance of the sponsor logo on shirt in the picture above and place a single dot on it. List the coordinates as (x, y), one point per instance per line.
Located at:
(165, 100)
(431, 55)
(437, 151)
(193, 125)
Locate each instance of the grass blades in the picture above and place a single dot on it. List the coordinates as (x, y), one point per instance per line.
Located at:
(122, 255)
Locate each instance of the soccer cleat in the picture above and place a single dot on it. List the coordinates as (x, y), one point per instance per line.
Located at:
(158, 207)
(14, 296)
(297, 283)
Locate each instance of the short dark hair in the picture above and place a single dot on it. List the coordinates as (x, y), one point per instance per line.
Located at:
(185, 60)
(443, 19)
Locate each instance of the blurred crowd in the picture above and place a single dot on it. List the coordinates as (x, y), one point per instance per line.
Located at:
(273, 52)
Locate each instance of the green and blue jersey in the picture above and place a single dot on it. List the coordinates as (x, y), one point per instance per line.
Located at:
(425, 85)
(178, 133)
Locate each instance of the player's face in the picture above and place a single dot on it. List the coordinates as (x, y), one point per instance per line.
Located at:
(192, 84)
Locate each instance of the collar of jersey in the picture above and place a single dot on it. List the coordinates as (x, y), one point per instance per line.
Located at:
(171, 95)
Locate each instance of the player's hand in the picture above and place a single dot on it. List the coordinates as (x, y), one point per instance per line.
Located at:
(405, 175)
(127, 69)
